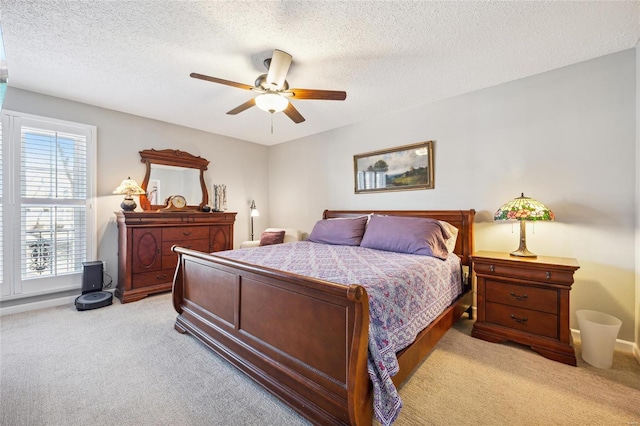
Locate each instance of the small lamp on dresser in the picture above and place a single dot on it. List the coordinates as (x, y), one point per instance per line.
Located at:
(128, 187)
(523, 209)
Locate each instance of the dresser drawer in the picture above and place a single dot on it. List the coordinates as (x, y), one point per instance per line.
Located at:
(539, 299)
(200, 245)
(185, 233)
(517, 271)
(152, 278)
(527, 320)
(170, 259)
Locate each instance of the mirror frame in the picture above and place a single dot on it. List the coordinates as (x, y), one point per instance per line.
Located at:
(177, 158)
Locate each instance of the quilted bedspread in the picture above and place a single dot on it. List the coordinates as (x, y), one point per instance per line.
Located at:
(406, 293)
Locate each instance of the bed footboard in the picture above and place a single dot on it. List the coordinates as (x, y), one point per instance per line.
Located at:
(266, 323)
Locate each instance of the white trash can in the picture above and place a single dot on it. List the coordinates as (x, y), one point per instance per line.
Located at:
(598, 333)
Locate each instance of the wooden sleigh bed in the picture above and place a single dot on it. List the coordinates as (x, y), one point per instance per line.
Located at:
(303, 339)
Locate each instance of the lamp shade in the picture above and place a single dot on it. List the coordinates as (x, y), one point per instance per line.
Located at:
(129, 187)
(254, 209)
(523, 208)
(272, 102)
(254, 213)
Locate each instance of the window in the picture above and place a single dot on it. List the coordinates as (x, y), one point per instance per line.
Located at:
(48, 188)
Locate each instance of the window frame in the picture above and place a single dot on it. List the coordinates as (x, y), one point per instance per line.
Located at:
(13, 286)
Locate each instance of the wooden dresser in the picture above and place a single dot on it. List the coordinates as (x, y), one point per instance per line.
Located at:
(525, 300)
(146, 264)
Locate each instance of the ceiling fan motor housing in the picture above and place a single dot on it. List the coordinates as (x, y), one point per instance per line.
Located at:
(261, 83)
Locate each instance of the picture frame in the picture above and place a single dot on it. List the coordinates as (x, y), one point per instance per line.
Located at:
(403, 168)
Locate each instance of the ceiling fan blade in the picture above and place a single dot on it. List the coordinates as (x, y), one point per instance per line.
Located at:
(293, 114)
(278, 68)
(326, 95)
(251, 102)
(221, 81)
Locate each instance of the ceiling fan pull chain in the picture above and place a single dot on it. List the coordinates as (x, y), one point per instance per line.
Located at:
(271, 122)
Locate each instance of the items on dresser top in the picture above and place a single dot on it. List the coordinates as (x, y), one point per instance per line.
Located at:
(146, 264)
(525, 300)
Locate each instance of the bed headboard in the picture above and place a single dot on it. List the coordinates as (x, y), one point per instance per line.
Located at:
(461, 219)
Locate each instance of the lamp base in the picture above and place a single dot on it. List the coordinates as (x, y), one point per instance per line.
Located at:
(523, 253)
(128, 205)
(522, 249)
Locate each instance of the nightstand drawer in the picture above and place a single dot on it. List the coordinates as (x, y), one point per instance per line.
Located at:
(522, 296)
(527, 273)
(527, 320)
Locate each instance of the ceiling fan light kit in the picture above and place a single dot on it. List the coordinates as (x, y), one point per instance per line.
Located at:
(271, 102)
(273, 89)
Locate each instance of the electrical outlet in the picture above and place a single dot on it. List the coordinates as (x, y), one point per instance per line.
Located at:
(104, 265)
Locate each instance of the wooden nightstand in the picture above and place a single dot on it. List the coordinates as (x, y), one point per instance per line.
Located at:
(525, 300)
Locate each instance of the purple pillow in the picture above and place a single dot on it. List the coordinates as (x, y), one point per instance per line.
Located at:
(346, 232)
(413, 235)
(271, 237)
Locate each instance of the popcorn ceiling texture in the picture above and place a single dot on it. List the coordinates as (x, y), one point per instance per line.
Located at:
(136, 56)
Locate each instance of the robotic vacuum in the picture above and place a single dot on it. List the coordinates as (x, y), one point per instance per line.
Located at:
(94, 300)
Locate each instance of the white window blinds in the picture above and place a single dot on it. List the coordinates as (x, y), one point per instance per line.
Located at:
(48, 192)
(53, 189)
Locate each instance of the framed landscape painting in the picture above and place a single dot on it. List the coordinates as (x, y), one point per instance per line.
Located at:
(402, 168)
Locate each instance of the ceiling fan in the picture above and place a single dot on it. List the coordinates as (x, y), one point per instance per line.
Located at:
(273, 88)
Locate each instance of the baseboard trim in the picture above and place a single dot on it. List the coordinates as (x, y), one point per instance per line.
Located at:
(32, 306)
(42, 304)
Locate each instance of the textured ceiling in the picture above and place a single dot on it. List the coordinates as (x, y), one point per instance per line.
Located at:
(136, 56)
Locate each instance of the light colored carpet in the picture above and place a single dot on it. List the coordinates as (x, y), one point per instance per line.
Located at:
(126, 365)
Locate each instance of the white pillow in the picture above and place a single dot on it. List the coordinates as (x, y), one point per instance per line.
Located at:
(453, 235)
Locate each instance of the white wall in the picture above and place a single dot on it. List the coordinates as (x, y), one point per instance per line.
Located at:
(565, 137)
(241, 165)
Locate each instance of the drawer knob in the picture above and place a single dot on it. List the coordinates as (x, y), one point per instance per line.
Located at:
(161, 277)
(492, 268)
(518, 320)
(548, 275)
(186, 234)
(518, 297)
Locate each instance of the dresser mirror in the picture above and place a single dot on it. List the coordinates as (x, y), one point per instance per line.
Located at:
(173, 172)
